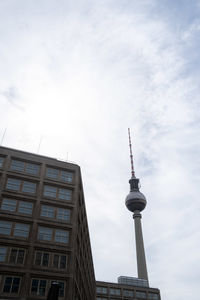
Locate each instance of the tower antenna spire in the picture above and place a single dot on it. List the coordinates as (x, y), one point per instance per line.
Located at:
(131, 154)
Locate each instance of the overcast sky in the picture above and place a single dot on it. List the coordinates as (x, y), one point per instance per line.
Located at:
(75, 74)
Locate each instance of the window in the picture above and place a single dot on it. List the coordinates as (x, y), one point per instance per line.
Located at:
(13, 184)
(61, 175)
(54, 192)
(1, 161)
(17, 256)
(29, 187)
(59, 261)
(11, 285)
(8, 204)
(61, 292)
(102, 290)
(141, 295)
(25, 208)
(38, 287)
(42, 259)
(32, 169)
(63, 214)
(21, 186)
(127, 293)
(66, 176)
(21, 166)
(22, 207)
(17, 165)
(3, 253)
(61, 236)
(45, 234)
(100, 298)
(21, 230)
(50, 191)
(115, 291)
(64, 194)
(5, 227)
(153, 296)
(52, 173)
(47, 211)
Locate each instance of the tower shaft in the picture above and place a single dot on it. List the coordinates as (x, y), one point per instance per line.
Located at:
(141, 260)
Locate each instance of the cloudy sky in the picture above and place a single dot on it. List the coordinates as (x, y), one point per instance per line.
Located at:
(74, 75)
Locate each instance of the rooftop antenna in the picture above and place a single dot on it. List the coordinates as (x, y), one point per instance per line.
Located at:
(3, 136)
(41, 137)
(131, 154)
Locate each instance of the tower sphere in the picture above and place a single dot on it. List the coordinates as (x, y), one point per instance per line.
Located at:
(135, 201)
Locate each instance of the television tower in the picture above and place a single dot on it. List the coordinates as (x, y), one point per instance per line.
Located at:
(136, 202)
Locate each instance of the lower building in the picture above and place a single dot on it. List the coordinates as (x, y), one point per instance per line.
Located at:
(127, 288)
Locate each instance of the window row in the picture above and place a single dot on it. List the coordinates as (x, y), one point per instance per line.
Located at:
(12, 205)
(61, 175)
(21, 186)
(126, 293)
(53, 235)
(41, 258)
(24, 207)
(55, 192)
(21, 230)
(62, 214)
(49, 191)
(39, 287)
(33, 169)
(21, 166)
(46, 259)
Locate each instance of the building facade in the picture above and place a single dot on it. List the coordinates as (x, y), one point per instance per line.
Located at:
(44, 235)
(127, 288)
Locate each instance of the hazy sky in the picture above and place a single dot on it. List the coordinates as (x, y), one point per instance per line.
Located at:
(77, 74)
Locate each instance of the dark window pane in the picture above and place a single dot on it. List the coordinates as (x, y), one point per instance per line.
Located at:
(7, 285)
(13, 256)
(3, 251)
(20, 258)
(42, 287)
(15, 286)
(38, 258)
(61, 289)
(34, 286)
(63, 262)
(55, 260)
(45, 260)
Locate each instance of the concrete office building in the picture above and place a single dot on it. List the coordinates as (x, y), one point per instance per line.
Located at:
(44, 234)
(127, 288)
